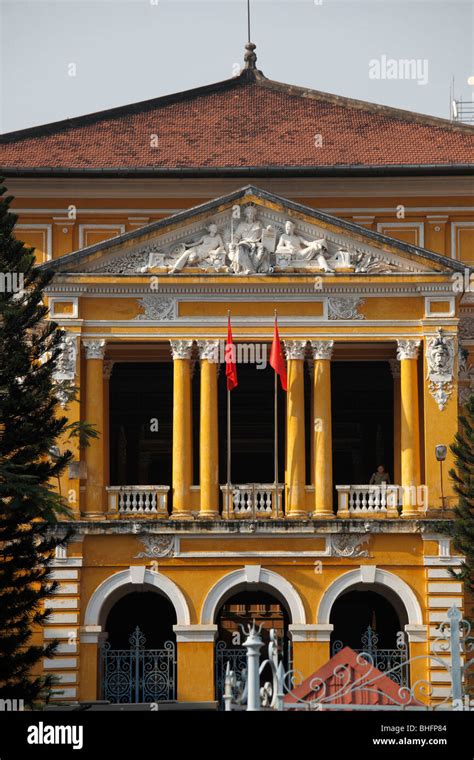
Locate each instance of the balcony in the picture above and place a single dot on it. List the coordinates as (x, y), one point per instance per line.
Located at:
(368, 501)
(254, 501)
(133, 501)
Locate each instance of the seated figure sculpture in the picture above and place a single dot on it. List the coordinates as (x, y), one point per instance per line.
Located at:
(301, 250)
(202, 249)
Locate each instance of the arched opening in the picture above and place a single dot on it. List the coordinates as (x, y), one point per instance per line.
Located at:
(372, 621)
(138, 659)
(242, 609)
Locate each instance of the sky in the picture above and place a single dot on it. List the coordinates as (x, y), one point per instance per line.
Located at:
(64, 58)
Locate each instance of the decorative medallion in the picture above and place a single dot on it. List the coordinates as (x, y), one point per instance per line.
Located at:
(157, 308)
(349, 545)
(157, 546)
(344, 307)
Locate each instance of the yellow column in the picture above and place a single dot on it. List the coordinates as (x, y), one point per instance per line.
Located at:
(397, 449)
(296, 465)
(182, 429)
(209, 436)
(94, 414)
(410, 425)
(322, 433)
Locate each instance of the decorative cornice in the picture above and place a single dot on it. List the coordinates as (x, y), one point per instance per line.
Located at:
(94, 349)
(408, 349)
(322, 349)
(295, 349)
(181, 349)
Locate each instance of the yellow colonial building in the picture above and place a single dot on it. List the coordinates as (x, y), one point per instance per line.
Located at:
(356, 223)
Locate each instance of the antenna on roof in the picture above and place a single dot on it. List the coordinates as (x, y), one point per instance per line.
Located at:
(248, 20)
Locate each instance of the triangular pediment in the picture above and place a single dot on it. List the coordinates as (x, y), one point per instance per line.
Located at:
(252, 232)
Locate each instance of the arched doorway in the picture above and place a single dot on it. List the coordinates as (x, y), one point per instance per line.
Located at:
(241, 610)
(138, 660)
(372, 621)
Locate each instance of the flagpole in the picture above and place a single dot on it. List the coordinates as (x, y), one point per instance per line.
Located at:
(275, 447)
(228, 443)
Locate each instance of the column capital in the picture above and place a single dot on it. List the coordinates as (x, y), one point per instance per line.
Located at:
(181, 349)
(408, 349)
(295, 349)
(94, 349)
(209, 350)
(108, 368)
(395, 368)
(322, 349)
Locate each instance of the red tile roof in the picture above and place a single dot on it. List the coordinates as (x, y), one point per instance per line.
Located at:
(242, 123)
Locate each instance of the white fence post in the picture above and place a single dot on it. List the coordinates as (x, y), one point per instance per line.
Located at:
(253, 644)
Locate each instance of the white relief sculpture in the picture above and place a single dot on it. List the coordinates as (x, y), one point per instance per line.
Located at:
(346, 307)
(204, 249)
(294, 248)
(343, 545)
(66, 364)
(157, 308)
(157, 547)
(440, 363)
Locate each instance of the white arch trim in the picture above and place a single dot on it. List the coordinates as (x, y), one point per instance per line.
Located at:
(136, 575)
(248, 575)
(371, 574)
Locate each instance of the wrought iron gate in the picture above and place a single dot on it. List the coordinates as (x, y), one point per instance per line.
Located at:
(383, 659)
(138, 674)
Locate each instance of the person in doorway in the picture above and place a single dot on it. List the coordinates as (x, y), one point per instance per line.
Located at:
(380, 476)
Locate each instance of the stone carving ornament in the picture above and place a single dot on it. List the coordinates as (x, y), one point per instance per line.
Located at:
(440, 367)
(345, 307)
(66, 364)
(157, 308)
(245, 245)
(157, 547)
(343, 545)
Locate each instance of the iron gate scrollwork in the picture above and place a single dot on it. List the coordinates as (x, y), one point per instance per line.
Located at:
(383, 659)
(138, 674)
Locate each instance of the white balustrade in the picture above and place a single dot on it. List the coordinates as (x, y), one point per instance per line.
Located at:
(138, 500)
(252, 500)
(365, 500)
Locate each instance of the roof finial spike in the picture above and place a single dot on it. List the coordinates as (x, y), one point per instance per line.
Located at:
(250, 57)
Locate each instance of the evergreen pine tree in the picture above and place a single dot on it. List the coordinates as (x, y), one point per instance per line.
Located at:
(463, 477)
(30, 425)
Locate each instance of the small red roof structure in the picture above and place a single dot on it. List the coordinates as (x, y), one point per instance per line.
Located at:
(247, 124)
(349, 679)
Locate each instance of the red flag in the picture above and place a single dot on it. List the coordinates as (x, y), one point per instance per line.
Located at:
(277, 359)
(230, 364)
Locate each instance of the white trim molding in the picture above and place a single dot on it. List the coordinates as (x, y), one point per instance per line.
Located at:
(456, 228)
(241, 580)
(186, 634)
(381, 577)
(316, 632)
(106, 591)
(85, 228)
(46, 229)
(419, 226)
